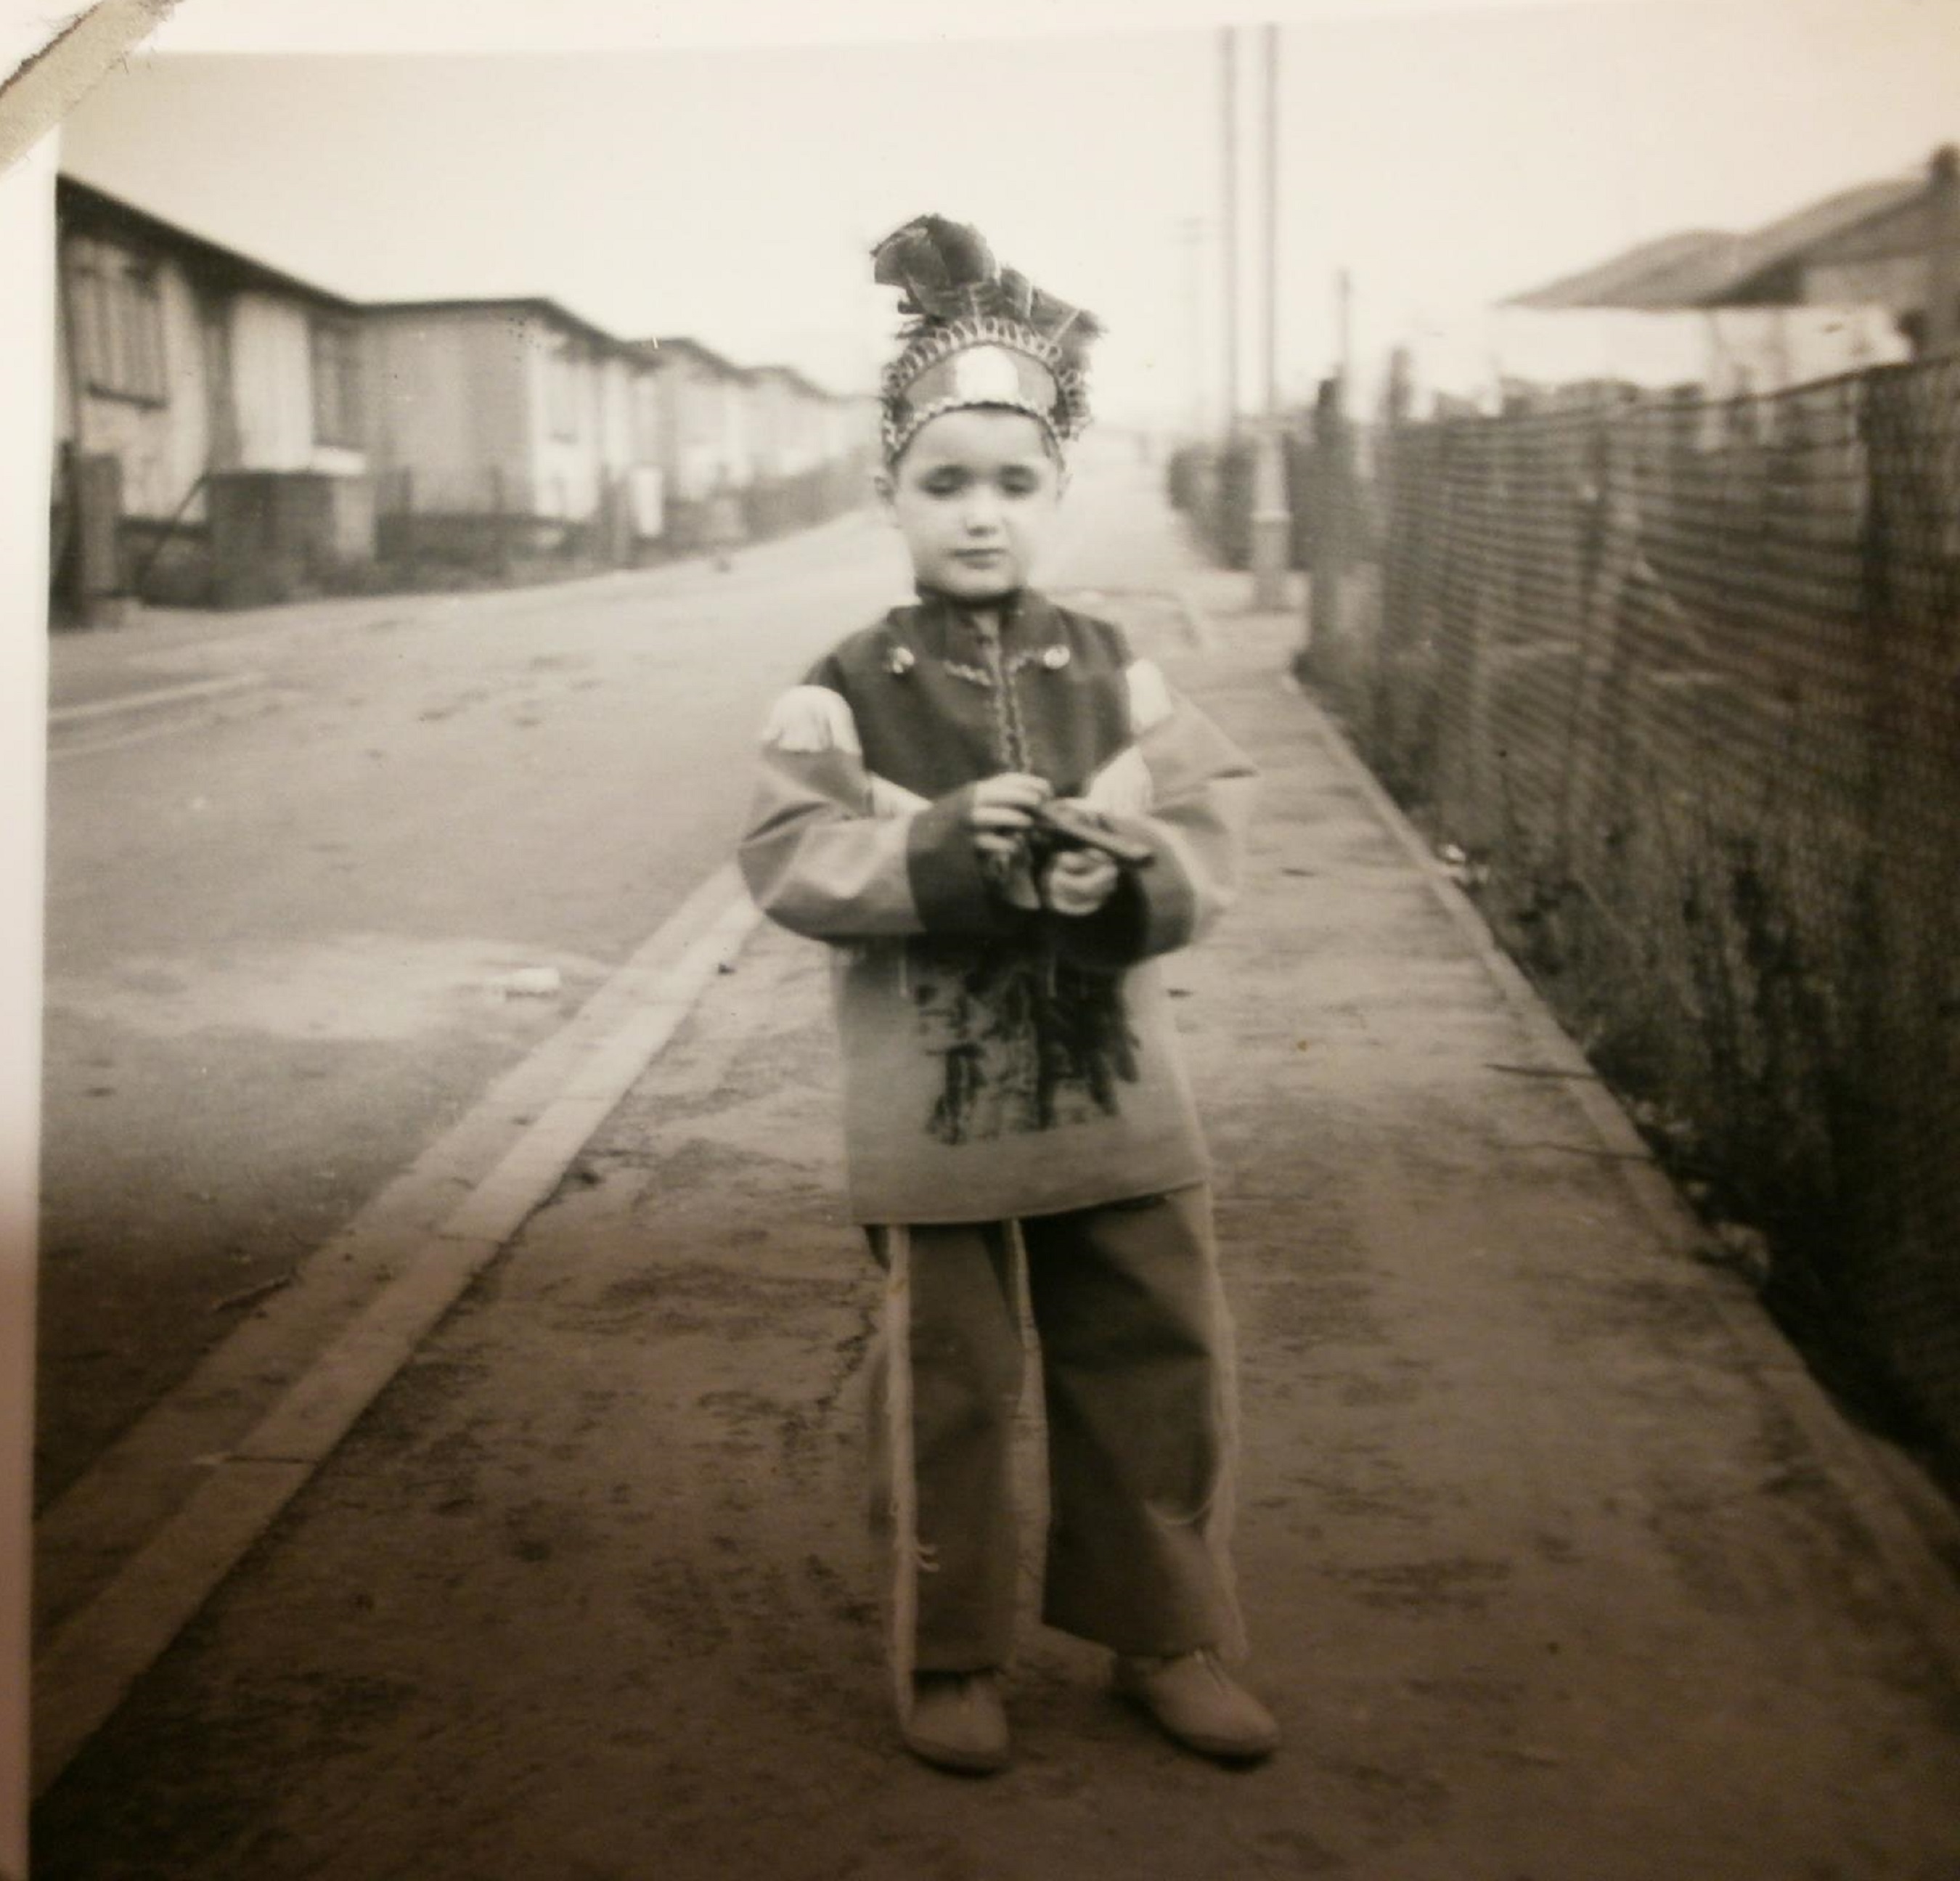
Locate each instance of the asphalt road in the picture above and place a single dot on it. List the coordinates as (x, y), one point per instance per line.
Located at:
(284, 914)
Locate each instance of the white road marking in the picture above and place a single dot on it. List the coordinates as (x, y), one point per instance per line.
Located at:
(154, 695)
(147, 734)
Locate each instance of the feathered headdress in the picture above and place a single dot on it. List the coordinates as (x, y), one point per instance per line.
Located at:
(977, 334)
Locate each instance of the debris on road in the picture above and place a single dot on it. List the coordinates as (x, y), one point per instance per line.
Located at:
(251, 1296)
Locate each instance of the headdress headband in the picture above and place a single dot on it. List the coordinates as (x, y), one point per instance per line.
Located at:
(978, 334)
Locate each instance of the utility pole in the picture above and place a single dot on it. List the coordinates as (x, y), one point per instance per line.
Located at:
(1272, 521)
(1191, 232)
(1344, 308)
(1270, 185)
(1228, 74)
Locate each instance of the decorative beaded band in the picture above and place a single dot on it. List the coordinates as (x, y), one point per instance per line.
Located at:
(981, 360)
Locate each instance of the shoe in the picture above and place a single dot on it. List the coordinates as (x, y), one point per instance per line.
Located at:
(1196, 1702)
(958, 1721)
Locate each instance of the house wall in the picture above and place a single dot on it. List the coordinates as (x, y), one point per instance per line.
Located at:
(768, 419)
(845, 428)
(163, 445)
(649, 442)
(685, 452)
(647, 477)
(272, 376)
(467, 402)
(564, 470)
(449, 394)
(788, 430)
(737, 432)
(692, 407)
(706, 429)
(809, 444)
(622, 443)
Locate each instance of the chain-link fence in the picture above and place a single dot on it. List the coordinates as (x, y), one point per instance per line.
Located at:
(1681, 681)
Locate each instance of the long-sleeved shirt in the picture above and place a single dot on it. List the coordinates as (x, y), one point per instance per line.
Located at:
(1000, 1060)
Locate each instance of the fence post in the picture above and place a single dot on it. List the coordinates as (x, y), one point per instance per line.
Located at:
(1611, 550)
(1329, 481)
(98, 517)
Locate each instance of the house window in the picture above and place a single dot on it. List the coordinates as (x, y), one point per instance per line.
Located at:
(561, 390)
(118, 322)
(336, 382)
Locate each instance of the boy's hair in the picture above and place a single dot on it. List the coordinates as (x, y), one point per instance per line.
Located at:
(978, 335)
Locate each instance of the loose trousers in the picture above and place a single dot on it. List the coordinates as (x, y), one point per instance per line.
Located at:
(1138, 1373)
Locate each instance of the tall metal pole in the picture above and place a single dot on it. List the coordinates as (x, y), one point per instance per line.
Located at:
(1272, 229)
(1942, 260)
(1344, 289)
(1228, 73)
(1191, 229)
(1272, 521)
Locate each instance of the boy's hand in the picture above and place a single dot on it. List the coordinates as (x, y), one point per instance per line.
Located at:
(999, 816)
(1078, 881)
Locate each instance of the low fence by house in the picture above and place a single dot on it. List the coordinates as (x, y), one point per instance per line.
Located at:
(479, 522)
(1682, 681)
(1212, 485)
(236, 538)
(770, 506)
(243, 538)
(484, 524)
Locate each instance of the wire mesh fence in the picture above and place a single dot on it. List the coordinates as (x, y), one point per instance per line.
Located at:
(1681, 681)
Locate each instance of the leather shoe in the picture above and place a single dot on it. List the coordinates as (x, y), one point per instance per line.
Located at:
(958, 1721)
(1197, 1703)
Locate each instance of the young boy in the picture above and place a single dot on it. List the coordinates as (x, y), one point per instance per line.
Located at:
(1016, 1111)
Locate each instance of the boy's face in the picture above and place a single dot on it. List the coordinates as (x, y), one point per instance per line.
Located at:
(975, 497)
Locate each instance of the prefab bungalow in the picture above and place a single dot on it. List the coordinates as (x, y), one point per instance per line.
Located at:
(506, 428)
(705, 404)
(805, 467)
(1893, 244)
(787, 415)
(211, 420)
(851, 429)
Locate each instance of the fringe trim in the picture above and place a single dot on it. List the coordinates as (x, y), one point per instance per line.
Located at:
(1017, 1279)
(1221, 1514)
(904, 1480)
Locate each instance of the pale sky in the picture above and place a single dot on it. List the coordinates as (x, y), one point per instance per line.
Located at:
(1447, 159)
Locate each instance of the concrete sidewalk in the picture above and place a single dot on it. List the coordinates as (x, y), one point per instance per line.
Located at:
(1556, 1567)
